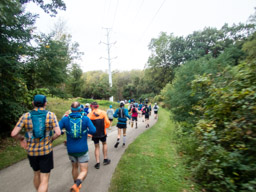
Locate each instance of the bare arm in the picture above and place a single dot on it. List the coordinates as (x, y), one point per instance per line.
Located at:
(15, 134)
(57, 132)
(56, 128)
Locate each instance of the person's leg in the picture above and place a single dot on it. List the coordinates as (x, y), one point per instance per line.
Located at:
(118, 137)
(44, 180)
(105, 150)
(75, 171)
(83, 164)
(147, 122)
(83, 171)
(97, 152)
(36, 179)
(124, 136)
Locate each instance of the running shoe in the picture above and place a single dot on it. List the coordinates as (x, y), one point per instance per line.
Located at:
(123, 144)
(106, 161)
(97, 165)
(74, 188)
(116, 145)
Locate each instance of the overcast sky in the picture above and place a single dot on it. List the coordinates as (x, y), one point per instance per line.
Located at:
(134, 23)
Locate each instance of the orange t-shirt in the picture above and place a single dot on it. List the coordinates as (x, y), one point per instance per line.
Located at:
(100, 120)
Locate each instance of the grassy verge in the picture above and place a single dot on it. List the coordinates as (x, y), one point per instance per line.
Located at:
(10, 150)
(151, 163)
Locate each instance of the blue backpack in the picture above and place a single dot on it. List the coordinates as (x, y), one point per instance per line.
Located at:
(76, 127)
(38, 121)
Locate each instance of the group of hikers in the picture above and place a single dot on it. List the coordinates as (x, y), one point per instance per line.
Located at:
(80, 122)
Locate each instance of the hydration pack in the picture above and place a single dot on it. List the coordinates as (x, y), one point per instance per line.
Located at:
(75, 131)
(38, 121)
(121, 113)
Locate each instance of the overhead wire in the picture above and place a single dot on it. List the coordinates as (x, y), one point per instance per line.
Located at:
(151, 21)
(140, 6)
(115, 14)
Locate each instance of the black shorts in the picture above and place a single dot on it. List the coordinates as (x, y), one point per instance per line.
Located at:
(121, 126)
(134, 119)
(97, 140)
(44, 163)
(111, 120)
(155, 112)
(146, 116)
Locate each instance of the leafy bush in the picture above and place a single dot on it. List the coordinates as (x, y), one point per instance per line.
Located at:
(214, 100)
(226, 130)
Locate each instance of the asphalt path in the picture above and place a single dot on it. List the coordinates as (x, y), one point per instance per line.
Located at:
(19, 177)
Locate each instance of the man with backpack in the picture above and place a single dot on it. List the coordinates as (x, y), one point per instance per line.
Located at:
(134, 112)
(146, 114)
(122, 115)
(77, 127)
(100, 120)
(155, 109)
(39, 125)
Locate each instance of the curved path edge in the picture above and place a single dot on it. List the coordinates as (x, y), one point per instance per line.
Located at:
(19, 177)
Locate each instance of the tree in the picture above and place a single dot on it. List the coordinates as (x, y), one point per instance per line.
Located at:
(16, 28)
(75, 81)
(50, 7)
(96, 85)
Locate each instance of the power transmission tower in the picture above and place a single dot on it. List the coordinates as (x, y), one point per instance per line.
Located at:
(109, 59)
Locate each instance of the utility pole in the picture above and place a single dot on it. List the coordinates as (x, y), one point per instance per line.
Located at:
(109, 60)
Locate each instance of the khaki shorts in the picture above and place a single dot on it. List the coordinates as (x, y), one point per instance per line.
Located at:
(82, 159)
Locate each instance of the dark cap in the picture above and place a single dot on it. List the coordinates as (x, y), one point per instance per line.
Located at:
(40, 99)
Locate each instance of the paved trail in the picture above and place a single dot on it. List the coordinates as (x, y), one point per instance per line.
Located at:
(19, 177)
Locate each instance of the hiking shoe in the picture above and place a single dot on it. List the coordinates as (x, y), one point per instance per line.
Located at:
(106, 161)
(74, 188)
(116, 145)
(97, 165)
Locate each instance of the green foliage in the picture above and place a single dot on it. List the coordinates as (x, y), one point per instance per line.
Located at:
(15, 34)
(20, 63)
(50, 7)
(168, 52)
(75, 81)
(216, 104)
(96, 85)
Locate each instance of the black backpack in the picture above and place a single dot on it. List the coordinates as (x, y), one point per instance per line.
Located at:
(134, 110)
(121, 113)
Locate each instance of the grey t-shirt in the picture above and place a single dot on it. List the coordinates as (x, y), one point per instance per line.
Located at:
(110, 113)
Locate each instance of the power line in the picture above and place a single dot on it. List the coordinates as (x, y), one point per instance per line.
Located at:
(115, 14)
(140, 6)
(143, 34)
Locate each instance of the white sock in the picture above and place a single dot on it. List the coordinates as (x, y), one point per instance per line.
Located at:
(124, 137)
